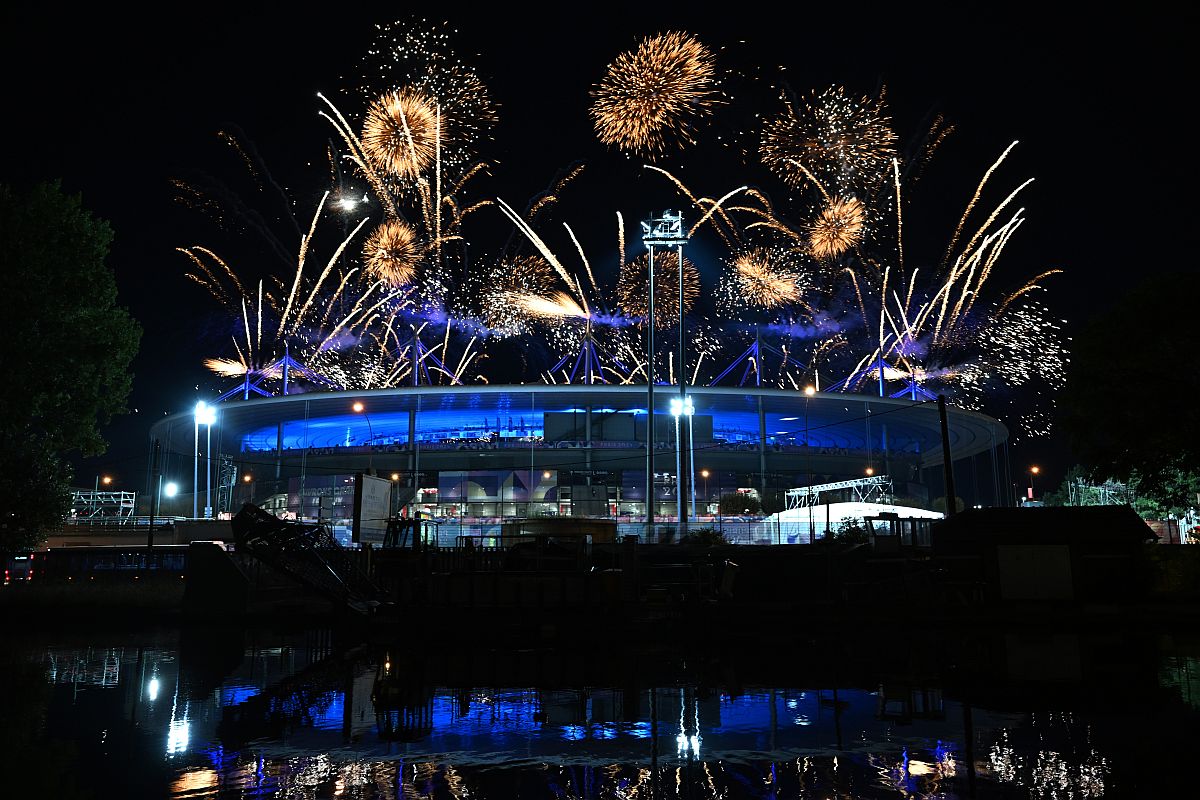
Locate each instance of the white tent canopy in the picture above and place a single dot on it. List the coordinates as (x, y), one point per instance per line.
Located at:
(794, 523)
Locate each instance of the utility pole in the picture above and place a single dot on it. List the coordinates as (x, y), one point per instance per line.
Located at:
(947, 466)
(156, 477)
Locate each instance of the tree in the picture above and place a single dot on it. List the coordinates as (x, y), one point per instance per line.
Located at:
(66, 357)
(1129, 406)
(736, 503)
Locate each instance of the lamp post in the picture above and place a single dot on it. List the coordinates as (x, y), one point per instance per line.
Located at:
(704, 474)
(205, 415)
(1034, 470)
(359, 408)
(812, 530)
(394, 506)
(248, 479)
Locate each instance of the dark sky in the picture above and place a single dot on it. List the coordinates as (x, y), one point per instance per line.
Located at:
(116, 105)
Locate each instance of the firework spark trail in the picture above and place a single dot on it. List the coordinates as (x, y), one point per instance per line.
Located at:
(535, 239)
(584, 259)
(558, 305)
(971, 203)
(358, 310)
(1029, 286)
(209, 281)
(246, 323)
(304, 243)
(325, 273)
(620, 239)
(258, 335)
(820, 186)
(357, 156)
(336, 294)
(699, 203)
(899, 219)
(715, 206)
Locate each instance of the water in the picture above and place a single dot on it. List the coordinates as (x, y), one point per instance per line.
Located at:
(232, 713)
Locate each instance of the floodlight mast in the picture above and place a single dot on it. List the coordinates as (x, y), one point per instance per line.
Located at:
(665, 231)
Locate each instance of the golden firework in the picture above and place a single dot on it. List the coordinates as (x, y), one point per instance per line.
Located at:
(633, 287)
(655, 93)
(522, 276)
(391, 253)
(763, 282)
(400, 133)
(837, 229)
(831, 138)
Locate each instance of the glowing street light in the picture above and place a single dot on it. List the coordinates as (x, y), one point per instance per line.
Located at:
(205, 415)
(681, 407)
(359, 408)
(1034, 470)
(171, 489)
(704, 474)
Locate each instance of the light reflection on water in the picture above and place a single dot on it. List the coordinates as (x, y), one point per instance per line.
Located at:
(295, 719)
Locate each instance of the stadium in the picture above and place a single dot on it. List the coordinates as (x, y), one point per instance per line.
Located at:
(472, 456)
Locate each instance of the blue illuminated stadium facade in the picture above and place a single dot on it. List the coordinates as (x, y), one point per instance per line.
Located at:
(488, 452)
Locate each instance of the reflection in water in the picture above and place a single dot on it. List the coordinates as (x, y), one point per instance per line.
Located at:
(293, 717)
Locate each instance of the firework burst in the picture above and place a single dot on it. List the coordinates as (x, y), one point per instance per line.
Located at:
(838, 228)
(655, 94)
(634, 280)
(523, 276)
(831, 139)
(763, 277)
(401, 133)
(417, 63)
(392, 252)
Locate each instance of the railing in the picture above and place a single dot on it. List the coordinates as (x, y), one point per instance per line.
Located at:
(114, 525)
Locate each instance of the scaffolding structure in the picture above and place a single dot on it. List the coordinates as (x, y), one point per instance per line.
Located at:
(226, 479)
(102, 507)
(875, 489)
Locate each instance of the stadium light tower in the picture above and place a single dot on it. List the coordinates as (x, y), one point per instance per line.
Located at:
(205, 415)
(665, 231)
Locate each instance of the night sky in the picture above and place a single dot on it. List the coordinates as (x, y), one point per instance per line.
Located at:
(116, 106)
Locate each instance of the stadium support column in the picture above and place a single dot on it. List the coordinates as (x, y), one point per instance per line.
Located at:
(279, 450)
(762, 452)
(413, 459)
(947, 464)
(650, 403)
(587, 421)
(762, 420)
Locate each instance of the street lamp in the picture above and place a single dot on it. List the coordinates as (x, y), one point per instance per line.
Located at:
(205, 415)
(395, 510)
(1032, 471)
(704, 474)
(359, 408)
(812, 530)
